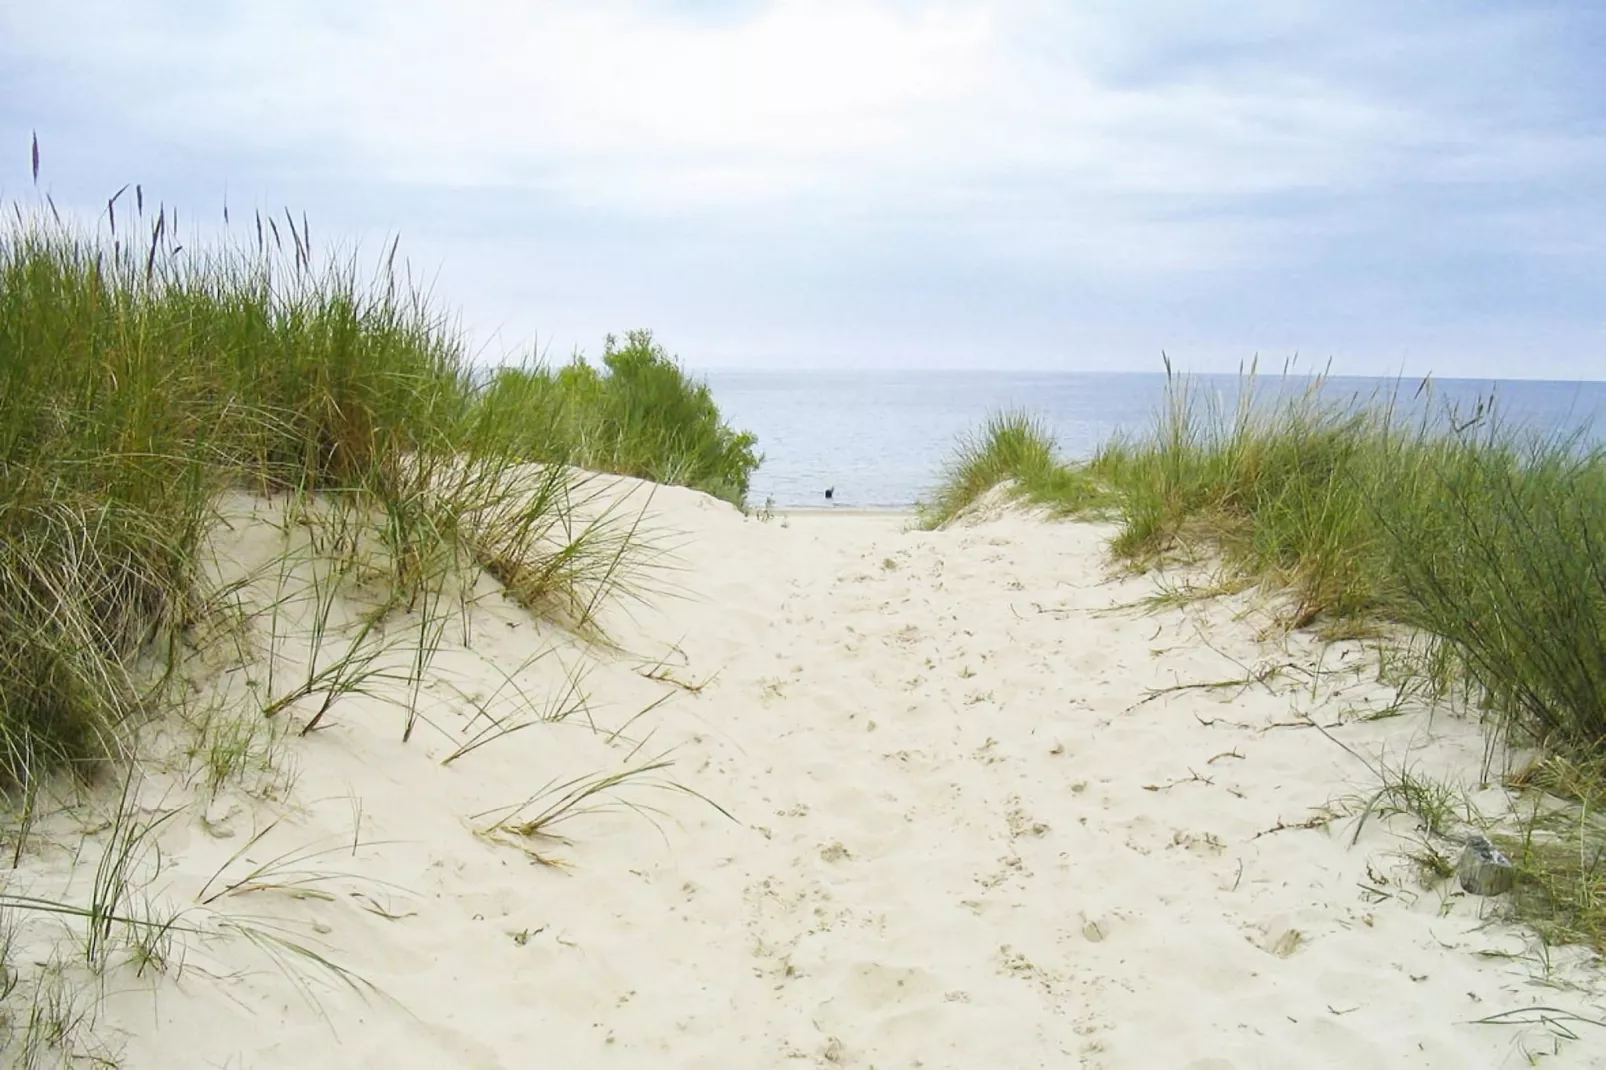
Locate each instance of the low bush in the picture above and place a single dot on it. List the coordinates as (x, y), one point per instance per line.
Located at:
(640, 414)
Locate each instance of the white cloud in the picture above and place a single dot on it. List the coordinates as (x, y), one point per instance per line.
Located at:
(602, 101)
(609, 103)
(1247, 155)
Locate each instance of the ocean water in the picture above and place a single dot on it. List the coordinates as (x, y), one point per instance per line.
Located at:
(880, 438)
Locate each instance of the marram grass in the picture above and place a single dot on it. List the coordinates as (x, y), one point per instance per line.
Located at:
(139, 381)
(1489, 541)
(139, 378)
(1016, 449)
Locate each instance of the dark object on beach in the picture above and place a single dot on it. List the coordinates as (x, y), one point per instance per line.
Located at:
(1483, 870)
(828, 492)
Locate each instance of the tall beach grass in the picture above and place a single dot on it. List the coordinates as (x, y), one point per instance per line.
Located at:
(1488, 537)
(1374, 515)
(1016, 450)
(145, 383)
(139, 378)
(136, 382)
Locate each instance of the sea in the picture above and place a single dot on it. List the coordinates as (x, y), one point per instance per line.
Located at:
(879, 439)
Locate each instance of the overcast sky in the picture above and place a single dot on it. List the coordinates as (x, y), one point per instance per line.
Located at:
(1396, 187)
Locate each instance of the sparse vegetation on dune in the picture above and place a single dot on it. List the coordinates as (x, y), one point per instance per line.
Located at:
(1488, 541)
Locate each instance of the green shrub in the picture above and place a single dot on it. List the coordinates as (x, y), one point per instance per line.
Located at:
(643, 417)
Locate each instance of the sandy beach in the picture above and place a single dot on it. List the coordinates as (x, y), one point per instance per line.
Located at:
(934, 799)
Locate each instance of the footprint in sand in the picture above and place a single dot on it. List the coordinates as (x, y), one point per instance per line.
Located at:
(834, 852)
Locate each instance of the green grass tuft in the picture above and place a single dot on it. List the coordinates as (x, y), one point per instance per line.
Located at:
(1011, 448)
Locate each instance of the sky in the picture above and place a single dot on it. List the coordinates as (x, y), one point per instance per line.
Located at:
(1375, 187)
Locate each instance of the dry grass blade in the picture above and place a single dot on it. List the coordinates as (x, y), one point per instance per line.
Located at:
(566, 800)
(560, 708)
(661, 671)
(1554, 1018)
(289, 953)
(287, 872)
(561, 801)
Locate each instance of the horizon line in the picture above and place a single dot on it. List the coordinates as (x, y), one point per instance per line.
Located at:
(1241, 373)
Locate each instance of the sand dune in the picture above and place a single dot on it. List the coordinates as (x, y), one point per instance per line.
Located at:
(957, 825)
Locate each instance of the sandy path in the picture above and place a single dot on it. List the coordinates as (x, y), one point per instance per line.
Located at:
(990, 857)
(961, 840)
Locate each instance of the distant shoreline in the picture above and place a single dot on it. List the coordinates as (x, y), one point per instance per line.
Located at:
(845, 511)
(881, 439)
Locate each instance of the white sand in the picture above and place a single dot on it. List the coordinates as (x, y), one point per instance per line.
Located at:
(957, 840)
